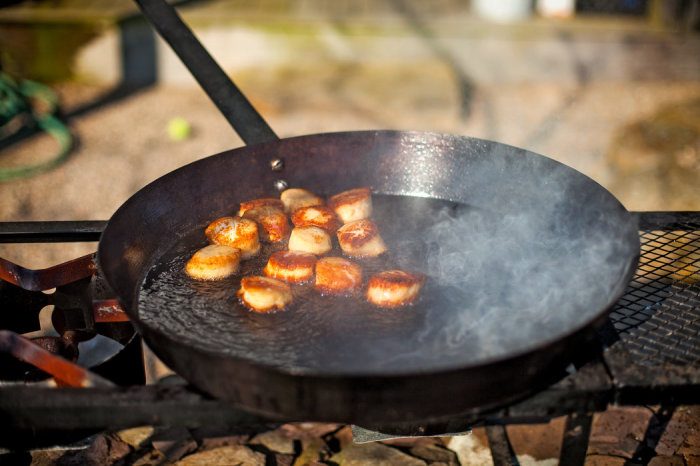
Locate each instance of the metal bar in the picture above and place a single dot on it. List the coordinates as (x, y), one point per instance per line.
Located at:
(230, 101)
(62, 370)
(575, 442)
(656, 427)
(501, 450)
(39, 408)
(52, 277)
(666, 220)
(51, 232)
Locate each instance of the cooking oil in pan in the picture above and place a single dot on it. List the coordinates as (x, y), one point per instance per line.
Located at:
(495, 284)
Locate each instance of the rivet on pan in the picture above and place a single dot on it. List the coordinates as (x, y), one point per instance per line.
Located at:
(277, 164)
(281, 185)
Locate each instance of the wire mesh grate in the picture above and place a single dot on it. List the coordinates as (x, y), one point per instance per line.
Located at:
(658, 318)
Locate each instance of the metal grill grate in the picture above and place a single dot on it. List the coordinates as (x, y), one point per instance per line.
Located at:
(658, 318)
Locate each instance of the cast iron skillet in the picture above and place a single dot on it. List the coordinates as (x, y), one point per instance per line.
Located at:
(542, 252)
(523, 256)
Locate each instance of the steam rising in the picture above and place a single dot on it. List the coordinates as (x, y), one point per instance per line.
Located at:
(508, 281)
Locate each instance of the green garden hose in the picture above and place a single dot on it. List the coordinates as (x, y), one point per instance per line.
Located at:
(18, 102)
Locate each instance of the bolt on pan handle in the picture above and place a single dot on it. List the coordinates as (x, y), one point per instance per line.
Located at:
(230, 101)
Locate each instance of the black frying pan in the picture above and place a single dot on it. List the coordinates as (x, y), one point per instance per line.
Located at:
(524, 257)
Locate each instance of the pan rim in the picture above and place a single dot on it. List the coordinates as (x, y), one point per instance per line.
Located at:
(327, 374)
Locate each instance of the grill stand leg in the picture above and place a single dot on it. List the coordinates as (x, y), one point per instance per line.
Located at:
(655, 429)
(501, 449)
(575, 441)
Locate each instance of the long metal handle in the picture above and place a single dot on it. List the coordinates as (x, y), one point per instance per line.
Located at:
(230, 101)
(51, 232)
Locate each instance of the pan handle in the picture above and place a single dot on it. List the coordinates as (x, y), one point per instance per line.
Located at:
(230, 101)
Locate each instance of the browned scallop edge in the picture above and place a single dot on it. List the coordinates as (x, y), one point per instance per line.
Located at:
(393, 278)
(274, 223)
(209, 230)
(350, 196)
(330, 225)
(346, 291)
(291, 261)
(389, 278)
(357, 241)
(256, 281)
(262, 202)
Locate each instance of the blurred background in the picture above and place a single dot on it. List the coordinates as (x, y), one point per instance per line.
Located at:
(95, 106)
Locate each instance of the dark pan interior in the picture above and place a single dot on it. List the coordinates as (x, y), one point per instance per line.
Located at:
(518, 251)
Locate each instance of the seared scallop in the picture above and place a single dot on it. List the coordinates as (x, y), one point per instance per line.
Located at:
(361, 239)
(317, 216)
(241, 233)
(313, 240)
(291, 266)
(262, 202)
(337, 276)
(213, 262)
(264, 294)
(274, 223)
(296, 198)
(355, 204)
(394, 288)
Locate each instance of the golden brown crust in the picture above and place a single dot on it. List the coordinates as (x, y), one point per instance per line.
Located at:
(394, 288)
(291, 266)
(317, 216)
(337, 276)
(349, 197)
(351, 205)
(241, 233)
(361, 238)
(264, 294)
(275, 227)
(262, 202)
(213, 262)
(358, 233)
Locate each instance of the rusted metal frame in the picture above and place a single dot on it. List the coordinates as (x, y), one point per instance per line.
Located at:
(105, 310)
(667, 220)
(70, 280)
(62, 370)
(636, 384)
(577, 432)
(502, 451)
(51, 277)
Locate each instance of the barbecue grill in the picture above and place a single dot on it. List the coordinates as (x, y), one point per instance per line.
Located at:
(646, 353)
